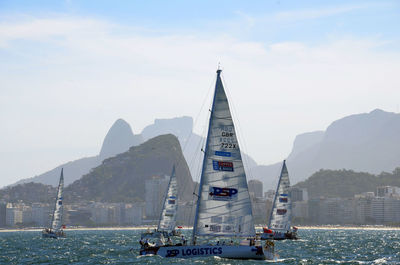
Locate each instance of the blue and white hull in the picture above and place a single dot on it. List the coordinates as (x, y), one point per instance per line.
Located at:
(229, 252)
(52, 234)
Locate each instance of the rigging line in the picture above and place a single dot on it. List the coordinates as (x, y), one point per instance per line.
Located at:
(196, 120)
(190, 135)
(198, 155)
(242, 139)
(188, 139)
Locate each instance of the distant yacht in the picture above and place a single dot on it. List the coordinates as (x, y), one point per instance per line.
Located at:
(56, 227)
(281, 213)
(223, 224)
(167, 222)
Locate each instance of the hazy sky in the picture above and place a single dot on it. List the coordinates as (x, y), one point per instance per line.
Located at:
(69, 69)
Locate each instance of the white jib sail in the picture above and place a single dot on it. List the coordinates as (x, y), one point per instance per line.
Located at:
(224, 206)
(168, 214)
(281, 213)
(58, 209)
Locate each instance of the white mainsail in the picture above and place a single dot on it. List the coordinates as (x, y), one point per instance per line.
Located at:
(223, 206)
(56, 221)
(281, 213)
(168, 214)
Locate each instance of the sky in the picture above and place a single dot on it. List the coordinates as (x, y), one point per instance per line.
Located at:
(69, 69)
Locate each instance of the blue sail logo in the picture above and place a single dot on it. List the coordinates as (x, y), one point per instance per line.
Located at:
(223, 194)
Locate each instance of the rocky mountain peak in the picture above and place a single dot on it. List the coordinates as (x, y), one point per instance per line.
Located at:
(119, 139)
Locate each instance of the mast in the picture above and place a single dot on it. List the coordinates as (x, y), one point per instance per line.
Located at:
(204, 160)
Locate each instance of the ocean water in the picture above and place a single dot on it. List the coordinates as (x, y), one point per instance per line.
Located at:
(317, 246)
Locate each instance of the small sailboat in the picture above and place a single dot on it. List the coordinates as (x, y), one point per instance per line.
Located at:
(223, 224)
(167, 221)
(279, 225)
(56, 227)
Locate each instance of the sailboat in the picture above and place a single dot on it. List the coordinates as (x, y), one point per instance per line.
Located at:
(281, 213)
(223, 224)
(55, 230)
(167, 220)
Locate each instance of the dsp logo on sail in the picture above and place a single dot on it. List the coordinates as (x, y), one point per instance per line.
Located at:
(223, 194)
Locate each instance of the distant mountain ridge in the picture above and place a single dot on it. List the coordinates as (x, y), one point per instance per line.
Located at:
(367, 142)
(120, 138)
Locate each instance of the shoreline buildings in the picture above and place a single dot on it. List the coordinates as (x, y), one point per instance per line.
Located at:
(379, 207)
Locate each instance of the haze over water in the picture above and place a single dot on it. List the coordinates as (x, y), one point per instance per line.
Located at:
(317, 246)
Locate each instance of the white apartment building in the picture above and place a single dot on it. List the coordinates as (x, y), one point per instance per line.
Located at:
(13, 215)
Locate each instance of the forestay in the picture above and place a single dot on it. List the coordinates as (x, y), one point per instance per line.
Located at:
(58, 208)
(281, 213)
(168, 214)
(223, 207)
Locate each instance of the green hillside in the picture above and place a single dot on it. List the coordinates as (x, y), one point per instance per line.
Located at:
(28, 193)
(346, 183)
(122, 178)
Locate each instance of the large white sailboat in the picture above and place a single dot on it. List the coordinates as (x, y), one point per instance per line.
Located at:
(281, 213)
(56, 227)
(223, 223)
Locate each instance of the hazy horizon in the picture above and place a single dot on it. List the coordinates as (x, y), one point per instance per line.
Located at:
(69, 69)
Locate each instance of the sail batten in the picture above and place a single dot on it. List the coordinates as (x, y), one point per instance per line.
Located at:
(224, 206)
(56, 221)
(168, 214)
(281, 213)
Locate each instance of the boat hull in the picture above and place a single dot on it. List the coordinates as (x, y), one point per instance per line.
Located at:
(52, 234)
(279, 236)
(229, 252)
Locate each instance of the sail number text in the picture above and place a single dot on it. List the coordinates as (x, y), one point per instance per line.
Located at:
(227, 139)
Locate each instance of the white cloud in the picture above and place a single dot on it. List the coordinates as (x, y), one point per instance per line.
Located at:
(314, 13)
(303, 14)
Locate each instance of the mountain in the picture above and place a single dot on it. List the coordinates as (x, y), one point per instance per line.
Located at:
(118, 139)
(181, 127)
(122, 178)
(346, 183)
(367, 142)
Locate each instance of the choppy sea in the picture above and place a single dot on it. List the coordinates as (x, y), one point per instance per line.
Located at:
(317, 246)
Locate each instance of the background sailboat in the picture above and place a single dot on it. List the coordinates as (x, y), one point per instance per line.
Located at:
(55, 229)
(280, 220)
(167, 222)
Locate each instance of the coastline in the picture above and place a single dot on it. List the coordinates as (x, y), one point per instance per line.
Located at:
(323, 227)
